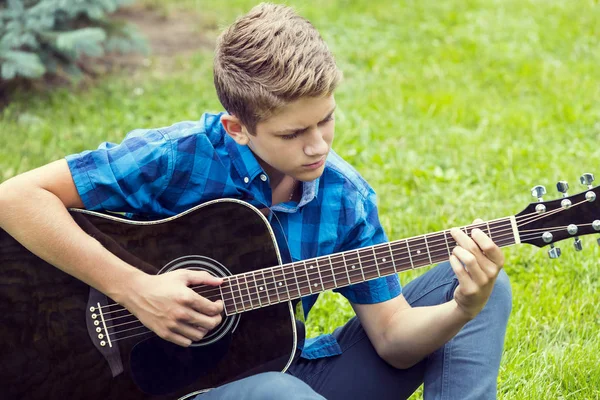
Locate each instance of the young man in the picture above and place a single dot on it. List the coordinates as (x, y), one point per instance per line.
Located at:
(276, 78)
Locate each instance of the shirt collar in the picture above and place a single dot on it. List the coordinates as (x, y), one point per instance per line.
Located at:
(243, 159)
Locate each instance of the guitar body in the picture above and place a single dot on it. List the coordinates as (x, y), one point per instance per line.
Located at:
(49, 344)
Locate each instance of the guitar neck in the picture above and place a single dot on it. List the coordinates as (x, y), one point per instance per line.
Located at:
(268, 286)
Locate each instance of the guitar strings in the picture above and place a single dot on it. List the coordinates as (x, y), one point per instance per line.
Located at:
(521, 219)
(407, 240)
(244, 301)
(334, 265)
(149, 331)
(432, 244)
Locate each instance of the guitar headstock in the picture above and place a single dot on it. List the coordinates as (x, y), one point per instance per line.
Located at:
(547, 222)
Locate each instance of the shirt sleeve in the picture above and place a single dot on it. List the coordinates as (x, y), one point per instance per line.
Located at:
(367, 231)
(125, 177)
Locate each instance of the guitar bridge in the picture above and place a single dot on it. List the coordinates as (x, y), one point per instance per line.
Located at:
(97, 328)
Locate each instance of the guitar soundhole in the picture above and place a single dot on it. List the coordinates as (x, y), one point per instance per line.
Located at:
(213, 267)
(159, 367)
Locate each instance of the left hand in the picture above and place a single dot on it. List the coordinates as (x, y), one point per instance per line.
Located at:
(482, 260)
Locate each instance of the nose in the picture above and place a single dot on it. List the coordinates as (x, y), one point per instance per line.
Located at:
(316, 144)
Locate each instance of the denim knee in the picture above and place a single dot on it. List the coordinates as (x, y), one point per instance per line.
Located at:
(276, 385)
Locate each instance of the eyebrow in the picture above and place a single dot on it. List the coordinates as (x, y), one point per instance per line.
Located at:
(298, 130)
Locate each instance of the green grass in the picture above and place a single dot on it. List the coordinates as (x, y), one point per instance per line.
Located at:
(452, 110)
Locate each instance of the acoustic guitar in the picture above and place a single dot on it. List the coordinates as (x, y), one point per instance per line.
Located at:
(62, 339)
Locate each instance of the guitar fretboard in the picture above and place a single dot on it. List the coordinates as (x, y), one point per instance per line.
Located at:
(268, 286)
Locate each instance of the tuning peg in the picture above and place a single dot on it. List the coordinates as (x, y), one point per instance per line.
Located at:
(577, 244)
(563, 186)
(554, 252)
(587, 179)
(538, 191)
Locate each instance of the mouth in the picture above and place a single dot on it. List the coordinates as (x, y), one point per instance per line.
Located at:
(315, 165)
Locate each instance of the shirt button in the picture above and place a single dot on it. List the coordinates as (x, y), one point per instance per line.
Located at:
(263, 177)
(246, 179)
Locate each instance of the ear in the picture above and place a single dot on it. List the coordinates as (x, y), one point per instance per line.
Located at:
(235, 129)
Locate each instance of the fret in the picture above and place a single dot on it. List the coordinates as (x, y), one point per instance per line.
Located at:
(297, 283)
(447, 245)
(412, 264)
(332, 271)
(226, 282)
(356, 274)
(326, 269)
(392, 257)
(504, 232)
(385, 260)
(489, 230)
(418, 252)
(269, 285)
(258, 287)
(358, 261)
(376, 263)
(427, 249)
(281, 283)
(239, 286)
(316, 262)
(302, 283)
(367, 263)
(308, 281)
(437, 256)
(315, 274)
(252, 303)
(341, 276)
(346, 268)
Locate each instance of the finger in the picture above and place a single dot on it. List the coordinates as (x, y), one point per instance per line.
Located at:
(473, 267)
(202, 321)
(464, 279)
(204, 305)
(201, 304)
(467, 243)
(177, 338)
(488, 247)
(201, 277)
(190, 332)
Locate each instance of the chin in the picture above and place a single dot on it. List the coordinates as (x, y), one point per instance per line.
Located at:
(308, 176)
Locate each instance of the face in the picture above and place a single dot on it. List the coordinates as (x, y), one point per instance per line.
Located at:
(295, 141)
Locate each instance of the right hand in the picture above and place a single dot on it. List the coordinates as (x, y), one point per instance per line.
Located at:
(165, 304)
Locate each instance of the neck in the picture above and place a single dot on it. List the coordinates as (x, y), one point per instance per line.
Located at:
(260, 288)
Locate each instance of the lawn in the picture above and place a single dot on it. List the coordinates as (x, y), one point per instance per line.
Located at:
(451, 109)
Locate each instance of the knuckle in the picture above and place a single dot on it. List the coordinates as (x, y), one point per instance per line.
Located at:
(469, 258)
(472, 248)
(180, 315)
(171, 325)
(488, 247)
(198, 334)
(184, 298)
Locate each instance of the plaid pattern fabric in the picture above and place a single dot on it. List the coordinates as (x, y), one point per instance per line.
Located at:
(165, 171)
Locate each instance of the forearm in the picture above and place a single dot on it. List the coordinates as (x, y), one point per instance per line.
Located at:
(39, 220)
(413, 333)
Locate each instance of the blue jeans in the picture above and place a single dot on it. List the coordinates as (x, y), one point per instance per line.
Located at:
(464, 368)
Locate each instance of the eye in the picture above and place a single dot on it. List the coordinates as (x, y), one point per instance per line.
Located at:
(290, 136)
(326, 120)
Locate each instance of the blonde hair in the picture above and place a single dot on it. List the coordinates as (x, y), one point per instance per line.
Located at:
(268, 58)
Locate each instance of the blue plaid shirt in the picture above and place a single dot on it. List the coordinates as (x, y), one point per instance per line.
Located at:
(163, 172)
